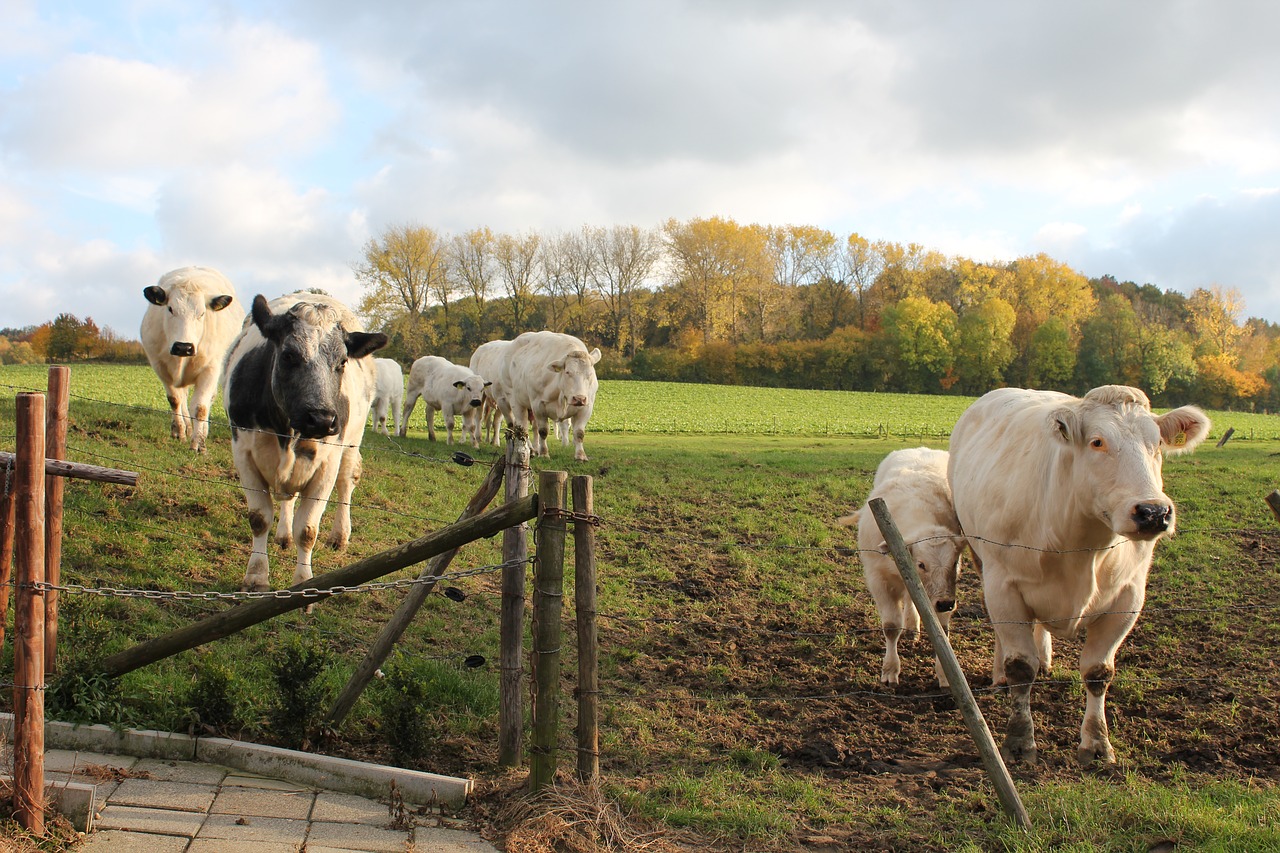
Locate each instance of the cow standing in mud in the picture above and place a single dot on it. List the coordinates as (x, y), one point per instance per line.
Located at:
(299, 384)
(1062, 502)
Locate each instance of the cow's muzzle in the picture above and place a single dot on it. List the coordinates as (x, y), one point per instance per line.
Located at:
(182, 349)
(316, 423)
(476, 402)
(578, 401)
(1152, 518)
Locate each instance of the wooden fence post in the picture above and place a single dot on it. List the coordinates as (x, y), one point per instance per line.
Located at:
(395, 628)
(515, 554)
(28, 616)
(584, 592)
(548, 599)
(969, 709)
(8, 505)
(55, 436)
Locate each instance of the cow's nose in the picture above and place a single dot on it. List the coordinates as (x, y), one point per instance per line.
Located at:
(1152, 518)
(944, 606)
(316, 423)
(182, 348)
(578, 400)
(475, 402)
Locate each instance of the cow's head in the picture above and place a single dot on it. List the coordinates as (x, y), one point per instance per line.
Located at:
(311, 350)
(575, 382)
(185, 307)
(1115, 455)
(472, 389)
(937, 556)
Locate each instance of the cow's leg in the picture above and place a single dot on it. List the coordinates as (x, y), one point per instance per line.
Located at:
(539, 436)
(284, 527)
(431, 421)
(1044, 650)
(1097, 668)
(579, 430)
(944, 619)
(396, 404)
(201, 399)
(257, 576)
(178, 407)
(890, 601)
(349, 471)
(1017, 662)
(306, 518)
(410, 400)
(448, 415)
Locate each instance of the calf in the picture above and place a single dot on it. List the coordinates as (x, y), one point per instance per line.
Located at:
(1062, 501)
(450, 388)
(299, 383)
(191, 317)
(388, 394)
(913, 485)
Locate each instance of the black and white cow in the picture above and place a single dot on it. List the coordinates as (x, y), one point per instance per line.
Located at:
(299, 384)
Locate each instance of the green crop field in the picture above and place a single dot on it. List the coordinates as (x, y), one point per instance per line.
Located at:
(740, 651)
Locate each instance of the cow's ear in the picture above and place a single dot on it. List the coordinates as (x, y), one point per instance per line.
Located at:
(557, 366)
(1183, 429)
(487, 383)
(1065, 423)
(155, 294)
(595, 355)
(266, 322)
(459, 385)
(884, 548)
(217, 303)
(360, 344)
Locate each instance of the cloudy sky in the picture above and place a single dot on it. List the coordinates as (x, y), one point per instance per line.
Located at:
(271, 139)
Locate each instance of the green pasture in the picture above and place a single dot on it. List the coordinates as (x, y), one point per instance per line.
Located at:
(737, 636)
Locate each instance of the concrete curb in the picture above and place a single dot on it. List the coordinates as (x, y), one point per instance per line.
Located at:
(304, 768)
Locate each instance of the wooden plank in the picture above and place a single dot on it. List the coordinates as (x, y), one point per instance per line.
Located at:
(77, 470)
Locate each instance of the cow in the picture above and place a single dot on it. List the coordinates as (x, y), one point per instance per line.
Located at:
(299, 384)
(1062, 501)
(191, 317)
(450, 388)
(486, 361)
(913, 485)
(549, 376)
(388, 394)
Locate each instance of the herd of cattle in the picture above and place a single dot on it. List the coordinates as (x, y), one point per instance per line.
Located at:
(1059, 500)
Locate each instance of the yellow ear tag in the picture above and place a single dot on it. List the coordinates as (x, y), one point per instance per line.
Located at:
(1180, 439)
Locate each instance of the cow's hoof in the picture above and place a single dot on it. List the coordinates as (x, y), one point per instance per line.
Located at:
(338, 542)
(1019, 751)
(248, 586)
(1096, 753)
(285, 542)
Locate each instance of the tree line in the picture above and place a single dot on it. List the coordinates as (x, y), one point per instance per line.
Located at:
(712, 300)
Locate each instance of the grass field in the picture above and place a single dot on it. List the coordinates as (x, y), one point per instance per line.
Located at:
(740, 650)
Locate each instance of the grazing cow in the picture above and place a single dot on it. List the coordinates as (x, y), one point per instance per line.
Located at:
(913, 485)
(486, 361)
(388, 394)
(1062, 501)
(299, 383)
(548, 376)
(192, 316)
(449, 387)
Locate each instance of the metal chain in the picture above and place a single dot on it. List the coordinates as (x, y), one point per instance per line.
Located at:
(308, 592)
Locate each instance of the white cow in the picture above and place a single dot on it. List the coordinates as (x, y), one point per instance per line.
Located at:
(388, 394)
(299, 383)
(487, 361)
(190, 320)
(549, 376)
(913, 485)
(1062, 501)
(448, 387)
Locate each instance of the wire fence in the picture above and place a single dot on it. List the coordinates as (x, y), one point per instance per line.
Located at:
(1250, 617)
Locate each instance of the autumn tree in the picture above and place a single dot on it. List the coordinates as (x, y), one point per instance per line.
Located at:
(714, 263)
(622, 260)
(921, 334)
(518, 260)
(983, 345)
(567, 275)
(1214, 316)
(473, 266)
(1108, 352)
(1051, 360)
(402, 271)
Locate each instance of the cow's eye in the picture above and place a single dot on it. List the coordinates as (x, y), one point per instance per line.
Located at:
(920, 566)
(341, 366)
(289, 358)
(1098, 444)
